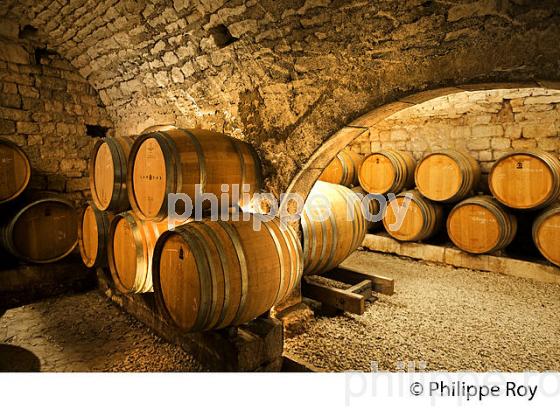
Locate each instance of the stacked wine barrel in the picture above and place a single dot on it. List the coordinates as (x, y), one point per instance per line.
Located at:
(481, 225)
(411, 217)
(343, 169)
(529, 180)
(35, 227)
(387, 171)
(333, 224)
(447, 182)
(205, 274)
(15, 171)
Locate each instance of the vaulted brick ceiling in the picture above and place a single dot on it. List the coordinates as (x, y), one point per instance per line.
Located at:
(286, 74)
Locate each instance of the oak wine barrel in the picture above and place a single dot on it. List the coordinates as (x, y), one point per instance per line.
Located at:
(15, 170)
(481, 225)
(107, 173)
(420, 220)
(372, 205)
(546, 233)
(176, 160)
(93, 235)
(343, 170)
(130, 250)
(447, 175)
(42, 231)
(387, 171)
(213, 274)
(333, 225)
(526, 179)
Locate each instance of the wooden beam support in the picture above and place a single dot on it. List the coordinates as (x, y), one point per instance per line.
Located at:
(363, 288)
(339, 298)
(381, 284)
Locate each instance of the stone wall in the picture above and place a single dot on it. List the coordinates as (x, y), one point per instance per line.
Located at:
(45, 105)
(286, 74)
(485, 123)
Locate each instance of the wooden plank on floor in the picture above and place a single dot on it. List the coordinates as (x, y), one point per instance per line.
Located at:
(338, 298)
(363, 288)
(381, 284)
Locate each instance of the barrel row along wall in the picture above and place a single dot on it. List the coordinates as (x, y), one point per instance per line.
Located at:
(486, 123)
(49, 110)
(286, 74)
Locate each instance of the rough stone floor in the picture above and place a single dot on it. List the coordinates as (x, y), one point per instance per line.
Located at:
(87, 333)
(440, 318)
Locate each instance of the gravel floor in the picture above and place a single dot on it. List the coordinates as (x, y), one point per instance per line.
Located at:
(440, 318)
(86, 333)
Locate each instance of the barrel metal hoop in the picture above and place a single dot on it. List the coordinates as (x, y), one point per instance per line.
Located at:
(201, 160)
(397, 182)
(91, 171)
(103, 239)
(173, 168)
(237, 148)
(299, 260)
(101, 223)
(332, 221)
(334, 236)
(212, 307)
(119, 171)
(156, 279)
(141, 262)
(225, 271)
(236, 240)
(343, 179)
(205, 280)
(313, 252)
(280, 256)
(425, 213)
(305, 225)
(313, 249)
(324, 239)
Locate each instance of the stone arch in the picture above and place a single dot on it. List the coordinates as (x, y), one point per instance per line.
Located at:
(310, 172)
